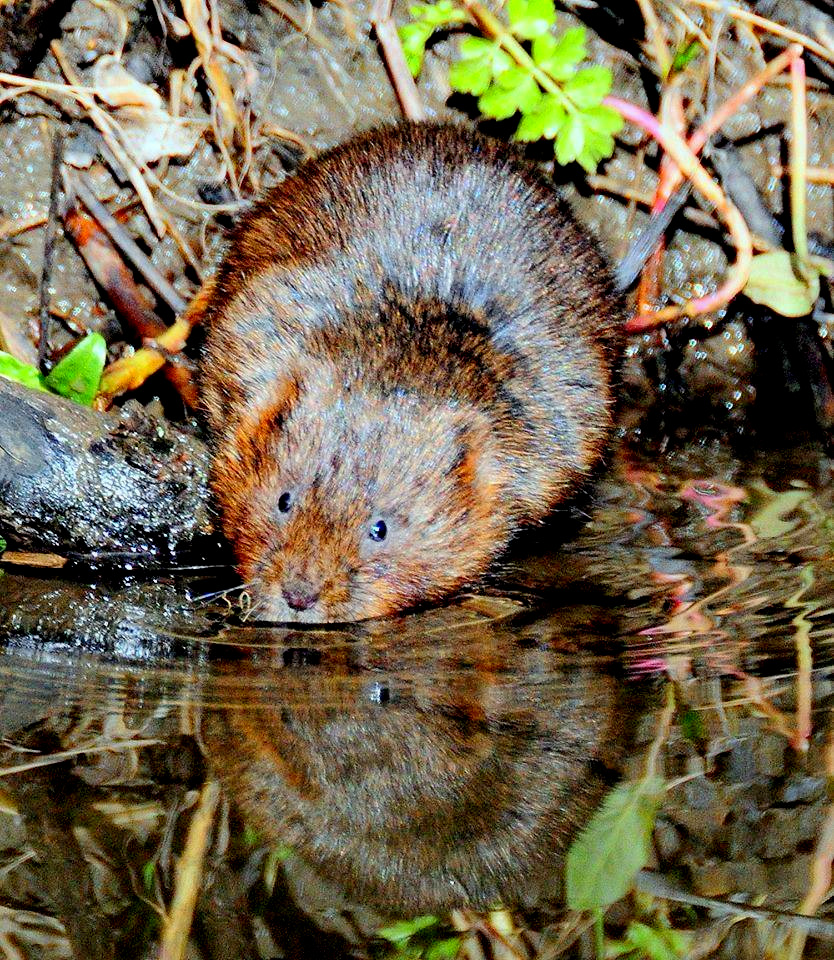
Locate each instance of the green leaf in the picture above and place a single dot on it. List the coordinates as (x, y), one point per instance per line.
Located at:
(149, 876)
(570, 140)
(481, 61)
(413, 37)
(444, 13)
(77, 376)
(13, 369)
(598, 123)
(604, 859)
(597, 147)
(589, 86)
(544, 122)
(653, 944)
(531, 18)
(775, 282)
(478, 48)
(560, 56)
(446, 949)
(2, 545)
(684, 55)
(470, 76)
(692, 726)
(513, 90)
(404, 929)
(602, 119)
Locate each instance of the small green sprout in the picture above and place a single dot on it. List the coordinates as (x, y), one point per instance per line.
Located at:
(557, 98)
(76, 376)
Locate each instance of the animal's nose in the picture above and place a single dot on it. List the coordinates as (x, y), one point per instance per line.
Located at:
(300, 596)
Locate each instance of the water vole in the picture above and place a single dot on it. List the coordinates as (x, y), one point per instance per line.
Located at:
(409, 354)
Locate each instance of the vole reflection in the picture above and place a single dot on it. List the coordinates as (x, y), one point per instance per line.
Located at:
(419, 776)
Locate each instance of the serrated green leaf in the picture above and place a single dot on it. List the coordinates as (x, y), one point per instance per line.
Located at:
(559, 56)
(603, 861)
(603, 119)
(413, 37)
(570, 140)
(544, 122)
(597, 146)
(470, 76)
(78, 374)
(589, 86)
(513, 90)
(13, 369)
(530, 18)
(775, 282)
(479, 50)
(405, 929)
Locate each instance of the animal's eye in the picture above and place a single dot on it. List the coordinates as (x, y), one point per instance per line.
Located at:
(284, 502)
(378, 531)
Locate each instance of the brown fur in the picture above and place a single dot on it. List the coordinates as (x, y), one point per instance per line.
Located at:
(413, 329)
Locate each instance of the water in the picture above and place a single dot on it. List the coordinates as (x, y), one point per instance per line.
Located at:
(175, 772)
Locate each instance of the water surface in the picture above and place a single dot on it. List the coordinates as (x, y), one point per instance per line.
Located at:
(174, 771)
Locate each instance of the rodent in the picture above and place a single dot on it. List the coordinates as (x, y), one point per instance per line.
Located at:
(408, 357)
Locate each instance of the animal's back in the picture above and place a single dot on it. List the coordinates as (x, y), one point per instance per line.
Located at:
(430, 260)
(417, 295)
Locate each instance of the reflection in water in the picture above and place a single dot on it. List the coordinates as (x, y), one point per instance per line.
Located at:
(423, 789)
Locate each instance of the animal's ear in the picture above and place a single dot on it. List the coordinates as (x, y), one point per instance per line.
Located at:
(477, 462)
(256, 433)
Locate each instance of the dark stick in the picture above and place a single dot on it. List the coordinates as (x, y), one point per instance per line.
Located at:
(50, 233)
(128, 246)
(643, 245)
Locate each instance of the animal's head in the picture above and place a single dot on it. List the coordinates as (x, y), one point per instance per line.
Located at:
(343, 503)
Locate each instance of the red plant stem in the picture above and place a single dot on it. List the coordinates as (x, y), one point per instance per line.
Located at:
(671, 177)
(665, 132)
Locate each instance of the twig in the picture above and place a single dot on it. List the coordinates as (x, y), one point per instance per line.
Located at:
(812, 174)
(12, 226)
(196, 14)
(129, 373)
(308, 29)
(62, 755)
(777, 29)
(43, 561)
(128, 246)
(189, 871)
(109, 130)
(655, 36)
(50, 234)
(659, 886)
(113, 276)
(404, 85)
(664, 724)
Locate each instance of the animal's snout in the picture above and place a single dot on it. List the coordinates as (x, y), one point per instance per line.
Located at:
(300, 595)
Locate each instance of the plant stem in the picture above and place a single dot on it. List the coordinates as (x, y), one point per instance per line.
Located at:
(673, 143)
(798, 162)
(599, 935)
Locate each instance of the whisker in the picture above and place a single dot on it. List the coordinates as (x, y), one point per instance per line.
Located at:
(222, 593)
